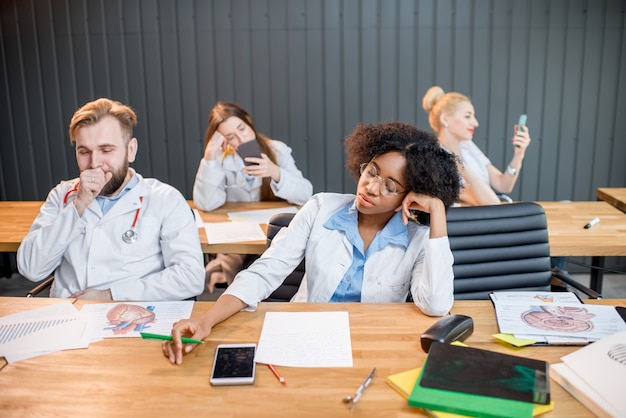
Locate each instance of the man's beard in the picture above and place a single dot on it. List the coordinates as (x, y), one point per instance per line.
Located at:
(116, 181)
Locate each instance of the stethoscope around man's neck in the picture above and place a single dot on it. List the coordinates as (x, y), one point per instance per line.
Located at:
(130, 236)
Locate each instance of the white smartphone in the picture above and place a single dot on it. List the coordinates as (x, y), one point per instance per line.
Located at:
(521, 122)
(234, 365)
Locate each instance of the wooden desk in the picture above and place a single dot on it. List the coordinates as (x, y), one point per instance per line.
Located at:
(221, 215)
(16, 219)
(616, 196)
(568, 237)
(130, 376)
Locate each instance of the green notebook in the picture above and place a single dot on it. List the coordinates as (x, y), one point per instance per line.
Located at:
(461, 402)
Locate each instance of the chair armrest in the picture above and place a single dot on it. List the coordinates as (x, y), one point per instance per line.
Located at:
(41, 286)
(563, 280)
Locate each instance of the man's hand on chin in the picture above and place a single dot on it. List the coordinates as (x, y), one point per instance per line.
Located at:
(93, 294)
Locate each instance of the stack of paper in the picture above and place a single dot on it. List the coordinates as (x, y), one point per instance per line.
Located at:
(553, 318)
(61, 327)
(41, 331)
(595, 374)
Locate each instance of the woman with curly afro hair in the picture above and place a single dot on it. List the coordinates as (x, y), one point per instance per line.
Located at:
(359, 247)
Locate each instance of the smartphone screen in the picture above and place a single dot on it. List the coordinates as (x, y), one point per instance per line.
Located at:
(521, 122)
(249, 149)
(233, 365)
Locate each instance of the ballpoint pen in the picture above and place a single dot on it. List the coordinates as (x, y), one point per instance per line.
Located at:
(149, 336)
(592, 223)
(357, 395)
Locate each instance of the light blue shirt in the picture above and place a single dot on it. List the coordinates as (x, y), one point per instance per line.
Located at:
(347, 221)
(106, 202)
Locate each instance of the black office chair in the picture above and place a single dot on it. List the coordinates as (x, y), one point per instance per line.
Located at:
(503, 247)
(290, 286)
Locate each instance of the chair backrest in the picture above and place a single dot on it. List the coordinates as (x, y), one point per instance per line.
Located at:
(500, 247)
(290, 286)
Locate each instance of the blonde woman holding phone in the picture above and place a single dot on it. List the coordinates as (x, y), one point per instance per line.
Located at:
(451, 115)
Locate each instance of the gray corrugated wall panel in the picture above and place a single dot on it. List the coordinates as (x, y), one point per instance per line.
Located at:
(592, 21)
(424, 52)
(260, 67)
(331, 111)
(313, 148)
(60, 152)
(533, 105)
(351, 75)
(618, 126)
(570, 100)
(192, 115)
(174, 139)
(309, 71)
(551, 116)
(279, 72)
(406, 88)
(297, 68)
(610, 68)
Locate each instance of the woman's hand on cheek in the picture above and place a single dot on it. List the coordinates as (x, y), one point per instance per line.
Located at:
(215, 147)
(418, 201)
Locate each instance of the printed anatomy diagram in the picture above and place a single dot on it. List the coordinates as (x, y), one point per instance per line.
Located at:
(559, 318)
(126, 318)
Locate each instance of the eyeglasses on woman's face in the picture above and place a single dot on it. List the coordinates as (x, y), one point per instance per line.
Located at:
(387, 186)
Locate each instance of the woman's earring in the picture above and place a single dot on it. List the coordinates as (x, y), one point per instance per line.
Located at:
(445, 124)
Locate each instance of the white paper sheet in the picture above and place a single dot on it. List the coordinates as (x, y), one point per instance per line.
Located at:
(128, 319)
(261, 216)
(57, 309)
(42, 336)
(221, 232)
(41, 331)
(305, 339)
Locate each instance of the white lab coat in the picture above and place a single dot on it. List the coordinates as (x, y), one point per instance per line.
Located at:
(165, 263)
(210, 191)
(424, 268)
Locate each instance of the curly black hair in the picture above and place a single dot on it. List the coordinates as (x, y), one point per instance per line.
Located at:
(430, 169)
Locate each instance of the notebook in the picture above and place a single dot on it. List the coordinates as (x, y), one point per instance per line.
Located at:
(488, 373)
(462, 402)
(404, 382)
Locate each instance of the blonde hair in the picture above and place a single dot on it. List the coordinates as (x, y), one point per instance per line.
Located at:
(436, 102)
(92, 112)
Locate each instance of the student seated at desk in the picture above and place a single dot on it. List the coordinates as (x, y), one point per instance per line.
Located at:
(359, 248)
(110, 233)
(452, 117)
(223, 177)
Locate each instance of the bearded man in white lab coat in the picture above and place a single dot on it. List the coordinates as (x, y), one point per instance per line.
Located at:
(111, 234)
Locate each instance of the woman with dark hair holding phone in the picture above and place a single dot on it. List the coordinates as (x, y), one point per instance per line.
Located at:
(359, 247)
(451, 115)
(225, 176)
